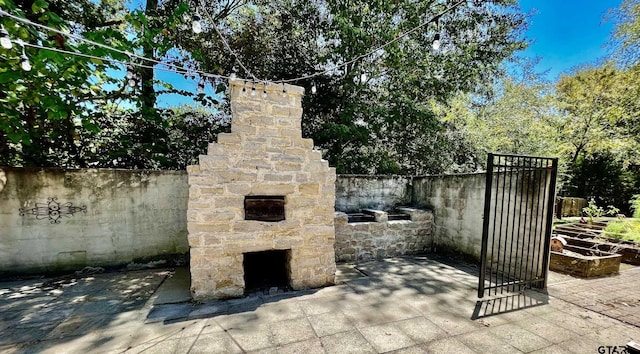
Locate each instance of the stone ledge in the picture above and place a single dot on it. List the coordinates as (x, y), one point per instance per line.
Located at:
(379, 215)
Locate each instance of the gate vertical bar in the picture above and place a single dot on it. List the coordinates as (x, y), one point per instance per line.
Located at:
(493, 233)
(522, 188)
(506, 226)
(539, 222)
(501, 168)
(485, 225)
(547, 238)
(528, 209)
(515, 172)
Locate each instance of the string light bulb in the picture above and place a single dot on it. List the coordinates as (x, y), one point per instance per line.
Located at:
(436, 42)
(200, 87)
(129, 75)
(253, 89)
(24, 62)
(284, 90)
(5, 41)
(244, 89)
(264, 90)
(314, 89)
(196, 24)
(436, 38)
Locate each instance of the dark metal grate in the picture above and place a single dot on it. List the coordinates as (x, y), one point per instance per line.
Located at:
(517, 220)
(360, 217)
(392, 217)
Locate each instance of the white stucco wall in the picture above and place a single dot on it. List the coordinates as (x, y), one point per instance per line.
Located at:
(137, 214)
(457, 202)
(130, 215)
(356, 192)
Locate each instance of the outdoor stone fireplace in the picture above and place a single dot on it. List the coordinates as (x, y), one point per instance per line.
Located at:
(261, 189)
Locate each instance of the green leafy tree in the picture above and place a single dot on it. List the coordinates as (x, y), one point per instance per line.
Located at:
(626, 36)
(601, 106)
(73, 111)
(44, 109)
(384, 123)
(600, 132)
(520, 117)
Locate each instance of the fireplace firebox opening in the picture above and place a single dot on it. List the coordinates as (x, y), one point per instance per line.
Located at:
(266, 269)
(264, 208)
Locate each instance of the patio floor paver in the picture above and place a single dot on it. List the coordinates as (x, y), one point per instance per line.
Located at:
(402, 305)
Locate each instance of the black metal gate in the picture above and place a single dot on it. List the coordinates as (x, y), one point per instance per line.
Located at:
(517, 221)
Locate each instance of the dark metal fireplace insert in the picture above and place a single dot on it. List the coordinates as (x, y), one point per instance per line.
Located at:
(264, 208)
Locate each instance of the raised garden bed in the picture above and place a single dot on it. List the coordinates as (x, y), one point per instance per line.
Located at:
(584, 262)
(591, 236)
(630, 253)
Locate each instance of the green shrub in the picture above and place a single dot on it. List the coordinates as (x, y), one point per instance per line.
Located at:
(635, 206)
(628, 229)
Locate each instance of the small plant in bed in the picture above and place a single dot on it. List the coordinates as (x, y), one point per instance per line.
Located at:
(594, 212)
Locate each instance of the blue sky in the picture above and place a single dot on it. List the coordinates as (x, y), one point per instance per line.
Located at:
(567, 33)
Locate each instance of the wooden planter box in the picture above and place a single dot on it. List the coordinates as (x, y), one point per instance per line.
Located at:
(584, 262)
(630, 254)
(583, 235)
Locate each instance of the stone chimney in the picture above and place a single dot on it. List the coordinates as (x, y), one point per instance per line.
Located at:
(261, 188)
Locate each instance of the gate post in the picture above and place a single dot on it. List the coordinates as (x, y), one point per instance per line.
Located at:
(485, 224)
(549, 221)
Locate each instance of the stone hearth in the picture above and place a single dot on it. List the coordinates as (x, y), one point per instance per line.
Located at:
(263, 164)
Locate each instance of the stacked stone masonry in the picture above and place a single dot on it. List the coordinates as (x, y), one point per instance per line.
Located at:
(363, 241)
(264, 155)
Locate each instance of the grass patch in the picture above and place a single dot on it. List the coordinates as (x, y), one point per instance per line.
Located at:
(628, 229)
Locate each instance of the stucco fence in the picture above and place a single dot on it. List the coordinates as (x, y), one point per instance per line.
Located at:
(110, 217)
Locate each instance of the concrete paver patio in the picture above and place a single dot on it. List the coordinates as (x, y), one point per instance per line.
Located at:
(404, 305)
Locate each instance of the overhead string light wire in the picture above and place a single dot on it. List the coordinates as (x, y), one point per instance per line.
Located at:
(225, 43)
(121, 62)
(382, 46)
(178, 69)
(184, 70)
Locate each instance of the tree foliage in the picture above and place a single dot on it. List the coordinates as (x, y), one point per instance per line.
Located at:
(601, 106)
(72, 111)
(626, 36)
(76, 111)
(520, 118)
(44, 108)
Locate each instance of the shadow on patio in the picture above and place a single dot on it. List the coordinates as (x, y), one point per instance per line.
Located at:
(414, 304)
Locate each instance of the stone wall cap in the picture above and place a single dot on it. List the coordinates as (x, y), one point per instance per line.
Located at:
(269, 87)
(92, 170)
